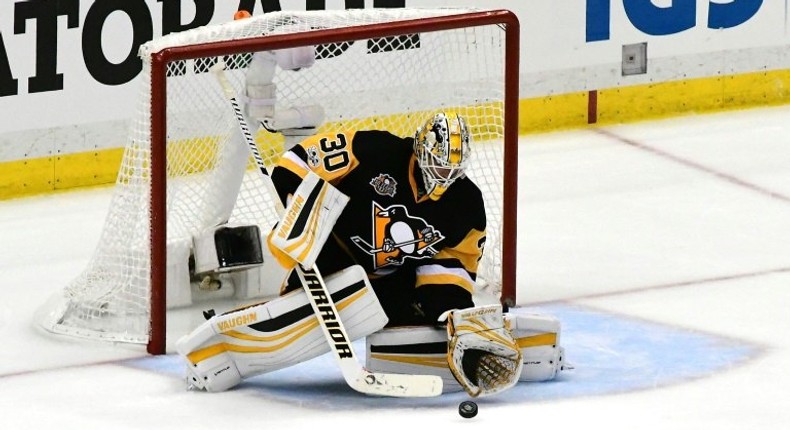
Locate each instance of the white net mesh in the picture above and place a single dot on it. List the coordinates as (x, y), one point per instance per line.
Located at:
(390, 83)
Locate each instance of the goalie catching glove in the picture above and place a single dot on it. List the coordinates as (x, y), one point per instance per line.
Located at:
(482, 354)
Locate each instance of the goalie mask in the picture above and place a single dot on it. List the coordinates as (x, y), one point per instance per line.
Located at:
(442, 148)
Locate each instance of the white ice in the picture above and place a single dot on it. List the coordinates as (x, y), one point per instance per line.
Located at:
(663, 246)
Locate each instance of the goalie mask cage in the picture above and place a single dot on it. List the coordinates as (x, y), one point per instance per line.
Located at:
(375, 69)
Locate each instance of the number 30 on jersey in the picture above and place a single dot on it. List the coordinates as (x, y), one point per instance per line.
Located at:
(335, 153)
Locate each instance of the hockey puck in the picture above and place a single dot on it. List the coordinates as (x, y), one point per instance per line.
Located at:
(467, 409)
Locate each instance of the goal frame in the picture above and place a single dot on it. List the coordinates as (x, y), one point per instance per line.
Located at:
(506, 19)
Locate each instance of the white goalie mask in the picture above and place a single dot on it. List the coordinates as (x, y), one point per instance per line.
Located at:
(442, 146)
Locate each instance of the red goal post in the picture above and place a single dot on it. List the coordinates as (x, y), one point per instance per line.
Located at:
(162, 132)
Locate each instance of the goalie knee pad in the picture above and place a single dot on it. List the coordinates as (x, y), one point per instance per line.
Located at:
(262, 338)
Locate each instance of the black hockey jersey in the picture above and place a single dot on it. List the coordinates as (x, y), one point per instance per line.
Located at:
(388, 223)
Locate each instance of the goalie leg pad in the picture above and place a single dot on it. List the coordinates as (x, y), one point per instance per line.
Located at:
(411, 351)
(538, 337)
(423, 350)
(262, 338)
(217, 373)
(478, 333)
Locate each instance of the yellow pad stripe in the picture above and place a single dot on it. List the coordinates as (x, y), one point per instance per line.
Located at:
(199, 355)
(483, 330)
(309, 232)
(546, 339)
(432, 361)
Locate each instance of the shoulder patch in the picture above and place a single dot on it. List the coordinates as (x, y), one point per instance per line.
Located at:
(312, 156)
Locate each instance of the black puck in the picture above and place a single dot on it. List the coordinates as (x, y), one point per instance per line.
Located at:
(467, 409)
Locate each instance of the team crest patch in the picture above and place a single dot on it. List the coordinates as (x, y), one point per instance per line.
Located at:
(398, 236)
(384, 185)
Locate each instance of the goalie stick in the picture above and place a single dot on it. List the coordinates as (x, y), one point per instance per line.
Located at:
(372, 250)
(356, 375)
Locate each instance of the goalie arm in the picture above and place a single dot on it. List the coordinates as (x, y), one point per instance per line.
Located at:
(301, 179)
(328, 155)
(447, 281)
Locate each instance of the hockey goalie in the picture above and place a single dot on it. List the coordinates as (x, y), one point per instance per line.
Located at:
(398, 228)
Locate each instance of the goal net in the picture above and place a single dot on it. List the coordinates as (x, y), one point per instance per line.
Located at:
(187, 169)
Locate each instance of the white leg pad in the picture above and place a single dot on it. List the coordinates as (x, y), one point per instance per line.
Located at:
(217, 373)
(423, 350)
(262, 338)
(411, 350)
(538, 336)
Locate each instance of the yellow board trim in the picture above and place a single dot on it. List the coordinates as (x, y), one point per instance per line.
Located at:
(65, 172)
(551, 113)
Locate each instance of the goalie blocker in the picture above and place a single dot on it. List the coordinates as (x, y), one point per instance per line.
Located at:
(307, 222)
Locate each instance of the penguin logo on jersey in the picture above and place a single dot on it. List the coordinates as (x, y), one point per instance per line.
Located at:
(384, 185)
(398, 236)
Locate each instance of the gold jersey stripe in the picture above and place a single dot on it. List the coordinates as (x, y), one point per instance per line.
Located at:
(292, 166)
(445, 279)
(468, 251)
